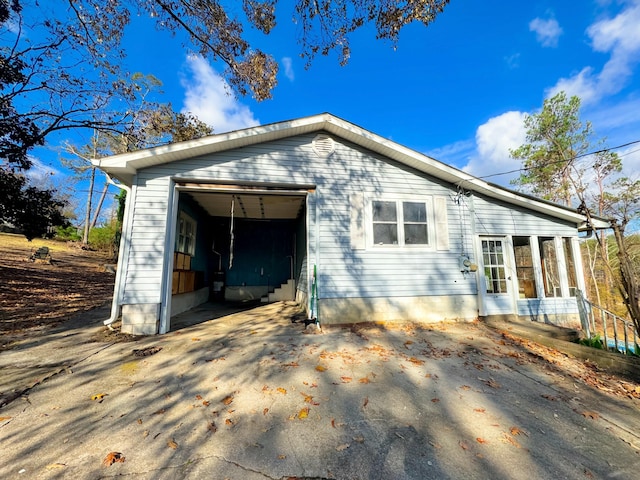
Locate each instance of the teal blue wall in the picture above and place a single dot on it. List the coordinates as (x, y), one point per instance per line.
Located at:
(261, 252)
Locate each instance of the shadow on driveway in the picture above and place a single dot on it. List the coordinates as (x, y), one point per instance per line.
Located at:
(251, 395)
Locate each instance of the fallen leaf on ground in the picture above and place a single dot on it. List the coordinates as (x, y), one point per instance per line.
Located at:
(463, 445)
(265, 411)
(590, 414)
(98, 396)
(2, 419)
(333, 422)
(491, 382)
(281, 457)
(416, 361)
(227, 400)
(479, 410)
(511, 440)
(465, 387)
(282, 390)
(517, 431)
(303, 413)
(320, 368)
(172, 444)
(481, 440)
(53, 466)
(111, 458)
(229, 422)
(158, 412)
(195, 339)
(435, 400)
(365, 402)
(342, 447)
(364, 380)
(211, 426)
(292, 364)
(345, 379)
(198, 397)
(206, 403)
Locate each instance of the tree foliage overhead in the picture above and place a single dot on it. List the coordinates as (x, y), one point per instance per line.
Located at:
(61, 62)
(555, 138)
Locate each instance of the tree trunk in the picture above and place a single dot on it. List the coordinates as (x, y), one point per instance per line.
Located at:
(631, 288)
(87, 217)
(592, 272)
(100, 202)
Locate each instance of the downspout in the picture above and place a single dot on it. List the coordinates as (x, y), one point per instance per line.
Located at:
(124, 241)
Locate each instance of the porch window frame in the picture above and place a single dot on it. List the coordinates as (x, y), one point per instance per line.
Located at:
(185, 236)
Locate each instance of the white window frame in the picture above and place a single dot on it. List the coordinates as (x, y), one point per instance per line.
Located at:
(399, 200)
(186, 229)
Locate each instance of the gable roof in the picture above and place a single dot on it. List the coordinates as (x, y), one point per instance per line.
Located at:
(124, 166)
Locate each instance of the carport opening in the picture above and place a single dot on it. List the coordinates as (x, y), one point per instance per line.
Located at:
(239, 245)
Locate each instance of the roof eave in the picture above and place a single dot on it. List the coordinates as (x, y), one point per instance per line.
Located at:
(125, 166)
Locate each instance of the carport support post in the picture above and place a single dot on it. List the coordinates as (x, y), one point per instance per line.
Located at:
(167, 264)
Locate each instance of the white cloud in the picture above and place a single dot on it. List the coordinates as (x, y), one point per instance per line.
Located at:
(40, 173)
(494, 139)
(547, 31)
(513, 61)
(583, 85)
(288, 68)
(209, 97)
(618, 36)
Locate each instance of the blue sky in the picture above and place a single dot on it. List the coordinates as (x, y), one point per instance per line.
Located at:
(457, 90)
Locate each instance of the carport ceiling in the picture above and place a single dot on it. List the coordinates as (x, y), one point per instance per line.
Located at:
(251, 205)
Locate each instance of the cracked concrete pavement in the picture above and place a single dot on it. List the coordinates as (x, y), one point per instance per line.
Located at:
(252, 395)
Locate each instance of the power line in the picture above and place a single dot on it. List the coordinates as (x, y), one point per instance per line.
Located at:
(566, 161)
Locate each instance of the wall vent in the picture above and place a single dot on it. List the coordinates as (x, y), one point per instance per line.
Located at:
(323, 145)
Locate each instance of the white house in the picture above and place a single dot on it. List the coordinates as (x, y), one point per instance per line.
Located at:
(353, 226)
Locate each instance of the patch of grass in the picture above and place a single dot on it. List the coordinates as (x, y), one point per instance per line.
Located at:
(593, 342)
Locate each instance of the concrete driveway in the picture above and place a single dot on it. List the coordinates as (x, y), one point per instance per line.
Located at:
(252, 395)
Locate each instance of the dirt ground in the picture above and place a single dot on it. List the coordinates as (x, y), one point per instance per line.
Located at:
(37, 295)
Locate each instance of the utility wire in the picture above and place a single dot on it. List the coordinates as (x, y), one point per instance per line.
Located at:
(565, 161)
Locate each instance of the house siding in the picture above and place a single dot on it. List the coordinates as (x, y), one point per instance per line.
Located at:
(345, 271)
(143, 278)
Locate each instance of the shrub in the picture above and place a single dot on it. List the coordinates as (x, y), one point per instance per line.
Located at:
(102, 238)
(69, 233)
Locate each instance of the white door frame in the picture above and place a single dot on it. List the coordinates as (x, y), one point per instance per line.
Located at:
(497, 303)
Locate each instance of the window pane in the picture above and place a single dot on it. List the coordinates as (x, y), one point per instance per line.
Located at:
(549, 264)
(571, 266)
(494, 269)
(415, 234)
(385, 233)
(414, 212)
(524, 267)
(384, 212)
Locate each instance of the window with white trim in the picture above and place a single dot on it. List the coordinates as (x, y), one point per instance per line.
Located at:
(400, 222)
(186, 234)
